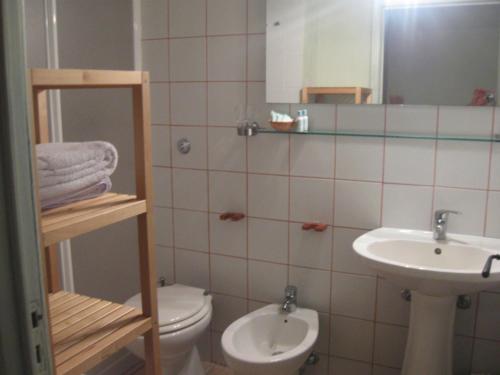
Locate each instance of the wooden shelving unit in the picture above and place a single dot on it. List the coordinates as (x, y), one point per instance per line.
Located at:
(83, 217)
(362, 95)
(86, 330)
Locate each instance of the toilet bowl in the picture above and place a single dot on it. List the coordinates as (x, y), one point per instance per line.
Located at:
(269, 342)
(184, 313)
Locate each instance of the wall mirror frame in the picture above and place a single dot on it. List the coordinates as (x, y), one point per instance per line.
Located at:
(359, 66)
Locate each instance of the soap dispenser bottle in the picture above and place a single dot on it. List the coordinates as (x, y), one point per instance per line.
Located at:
(305, 121)
(302, 121)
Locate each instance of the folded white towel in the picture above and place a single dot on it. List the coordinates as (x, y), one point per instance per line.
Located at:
(69, 172)
(58, 163)
(280, 117)
(89, 192)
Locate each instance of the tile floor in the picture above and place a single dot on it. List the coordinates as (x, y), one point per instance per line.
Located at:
(210, 369)
(214, 369)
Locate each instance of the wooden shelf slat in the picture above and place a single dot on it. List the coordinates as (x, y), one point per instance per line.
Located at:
(87, 78)
(75, 314)
(83, 339)
(82, 217)
(58, 295)
(361, 94)
(72, 302)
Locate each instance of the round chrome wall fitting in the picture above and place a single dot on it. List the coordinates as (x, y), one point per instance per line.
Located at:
(162, 282)
(183, 145)
(312, 359)
(464, 302)
(406, 294)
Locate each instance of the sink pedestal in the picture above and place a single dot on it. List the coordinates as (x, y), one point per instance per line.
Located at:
(429, 349)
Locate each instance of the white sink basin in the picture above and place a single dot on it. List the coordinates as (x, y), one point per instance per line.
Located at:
(414, 260)
(436, 272)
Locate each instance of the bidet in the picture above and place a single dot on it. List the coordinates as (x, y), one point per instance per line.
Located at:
(270, 342)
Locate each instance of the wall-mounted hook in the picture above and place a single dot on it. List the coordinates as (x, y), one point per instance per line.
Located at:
(318, 227)
(233, 216)
(308, 226)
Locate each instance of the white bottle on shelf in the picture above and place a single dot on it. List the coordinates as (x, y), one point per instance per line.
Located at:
(298, 120)
(305, 121)
(302, 121)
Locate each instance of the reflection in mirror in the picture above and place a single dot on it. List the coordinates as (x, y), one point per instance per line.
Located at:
(447, 55)
(316, 49)
(434, 52)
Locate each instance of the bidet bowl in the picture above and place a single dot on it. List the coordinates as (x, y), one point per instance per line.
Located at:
(268, 342)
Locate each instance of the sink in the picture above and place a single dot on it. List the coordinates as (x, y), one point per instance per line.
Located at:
(436, 272)
(414, 260)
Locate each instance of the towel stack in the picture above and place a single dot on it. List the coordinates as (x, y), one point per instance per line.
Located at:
(70, 172)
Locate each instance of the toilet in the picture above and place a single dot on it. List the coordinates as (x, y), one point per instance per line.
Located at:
(184, 313)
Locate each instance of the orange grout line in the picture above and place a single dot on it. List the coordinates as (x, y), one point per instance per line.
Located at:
(210, 279)
(434, 172)
(289, 268)
(488, 184)
(200, 36)
(171, 148)
(332, 249)
(246, 161)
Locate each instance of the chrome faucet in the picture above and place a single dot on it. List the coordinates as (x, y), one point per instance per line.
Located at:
(441, 223)
(290, 303)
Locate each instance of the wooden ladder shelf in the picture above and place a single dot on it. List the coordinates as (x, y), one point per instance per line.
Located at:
(86, 330)
(362, 95)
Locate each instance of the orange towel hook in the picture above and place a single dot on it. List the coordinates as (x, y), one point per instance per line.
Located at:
(233, 216)
(318, 227)
(308, 226)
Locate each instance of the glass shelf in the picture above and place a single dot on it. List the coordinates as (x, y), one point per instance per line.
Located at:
(444, 137)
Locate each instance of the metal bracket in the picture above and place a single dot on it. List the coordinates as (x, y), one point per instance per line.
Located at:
(162, 282)
(464, 302)
(312, 360)
(39, 350)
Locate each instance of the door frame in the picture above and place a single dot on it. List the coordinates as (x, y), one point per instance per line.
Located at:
(25, 343)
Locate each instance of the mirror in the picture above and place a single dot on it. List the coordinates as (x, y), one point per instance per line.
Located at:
(375, 51)
(442, 55)
(317, 44)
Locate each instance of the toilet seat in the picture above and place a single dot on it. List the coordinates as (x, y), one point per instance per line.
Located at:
(179, 306)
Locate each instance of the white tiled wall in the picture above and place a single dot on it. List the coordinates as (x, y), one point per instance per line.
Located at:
(207, 63)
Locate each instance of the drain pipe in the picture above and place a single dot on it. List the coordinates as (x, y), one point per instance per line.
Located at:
(312, 360)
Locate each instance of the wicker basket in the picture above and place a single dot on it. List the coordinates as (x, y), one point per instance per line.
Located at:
(282, 126)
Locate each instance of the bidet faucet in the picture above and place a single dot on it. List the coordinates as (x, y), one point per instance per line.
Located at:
(441, 223)
(290, 303)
